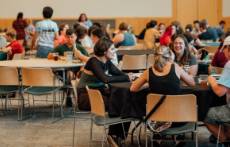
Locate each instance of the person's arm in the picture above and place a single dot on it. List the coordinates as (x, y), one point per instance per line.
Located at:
(184, 76)
(218, 89)
(118, 38)
(80, 56)
(138, 83)
(193, 70)
(33, 45)
(98, 72)
(113, 70)
(194, 66)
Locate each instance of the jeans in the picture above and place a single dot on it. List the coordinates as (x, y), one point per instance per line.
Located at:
(43, 51)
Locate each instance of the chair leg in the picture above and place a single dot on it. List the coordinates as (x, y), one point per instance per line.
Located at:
(146, 137)
(74, 125)
(6, 102)
(196, 139)
(91, 129)
(218, 136)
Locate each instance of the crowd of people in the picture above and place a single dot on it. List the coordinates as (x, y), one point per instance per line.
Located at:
(176, 55)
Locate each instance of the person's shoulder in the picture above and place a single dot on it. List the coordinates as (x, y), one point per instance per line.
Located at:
(227, 65)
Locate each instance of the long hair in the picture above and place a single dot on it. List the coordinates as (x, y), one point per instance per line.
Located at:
(161, 56)
(187, 54)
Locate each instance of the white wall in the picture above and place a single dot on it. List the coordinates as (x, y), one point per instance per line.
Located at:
(226, 10)
(93, 8)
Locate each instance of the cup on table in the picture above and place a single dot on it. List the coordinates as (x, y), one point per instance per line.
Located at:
(68, 56)
(202, 79)
(55, 56)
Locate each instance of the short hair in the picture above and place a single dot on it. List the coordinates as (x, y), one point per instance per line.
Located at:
(81, 31)
(222, 22)
(69, 32)
(11, 33)
(47, 12)
(123, 26)
(98, 32)
(152, 24)
(196, 21)
(102, 46)
(188, 28)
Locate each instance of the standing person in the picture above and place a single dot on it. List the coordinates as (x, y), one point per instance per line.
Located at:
(46, 31)
(19, 25)
(84, 21)
(217, 115)
(29, 30)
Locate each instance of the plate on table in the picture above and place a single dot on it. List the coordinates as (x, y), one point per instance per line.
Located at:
(76, 61)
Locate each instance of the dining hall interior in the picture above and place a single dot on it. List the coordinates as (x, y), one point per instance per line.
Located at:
(115, 73)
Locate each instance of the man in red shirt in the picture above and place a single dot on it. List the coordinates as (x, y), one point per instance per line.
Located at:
(14, 47)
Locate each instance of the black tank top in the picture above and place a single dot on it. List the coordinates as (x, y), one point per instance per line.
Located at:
(167, 84)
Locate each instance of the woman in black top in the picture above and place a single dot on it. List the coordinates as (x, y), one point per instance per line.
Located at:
(98, 71)
(164, 76)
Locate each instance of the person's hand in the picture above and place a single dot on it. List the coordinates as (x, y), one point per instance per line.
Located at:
(211, 80)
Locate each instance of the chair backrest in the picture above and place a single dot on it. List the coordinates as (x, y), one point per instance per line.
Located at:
(175, 108)
(216, 70)
(138, 46)
(38, 77)
(74, 84)
(150, 60)
(134, 62)
(18, 56)
(211, 49)
(9, 76)
(96, 102)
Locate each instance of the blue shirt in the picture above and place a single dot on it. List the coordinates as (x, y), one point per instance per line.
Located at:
(46, 30)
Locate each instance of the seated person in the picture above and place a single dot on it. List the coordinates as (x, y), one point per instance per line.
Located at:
(123, 37)
(14, 47)
(98, 71)
(98, 33)
(217, 115)
(151, 35)
(84, 39)
(207, 32)
(71, 45)
(3, 43)
(219, 58)
(183, 56)
(164, 76)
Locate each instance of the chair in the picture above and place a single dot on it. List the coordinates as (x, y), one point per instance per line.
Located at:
(134, 62)
(9, 82)
(74, 84)
(99, 116)
(219, 131)
(18, 56)
(211, 49)
(41, 81)
(150, 60)
(175, 108)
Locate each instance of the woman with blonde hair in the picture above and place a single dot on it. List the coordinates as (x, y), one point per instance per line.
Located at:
(164, 76)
